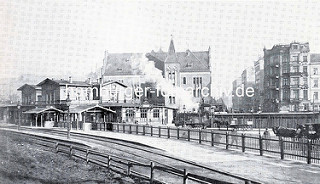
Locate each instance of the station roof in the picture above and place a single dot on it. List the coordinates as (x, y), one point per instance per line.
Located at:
(85, 108)
(42, 109)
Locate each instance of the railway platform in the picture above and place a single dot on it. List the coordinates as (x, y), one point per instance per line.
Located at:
(252, 166)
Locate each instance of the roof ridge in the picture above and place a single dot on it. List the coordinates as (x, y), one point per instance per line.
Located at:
(196, 58)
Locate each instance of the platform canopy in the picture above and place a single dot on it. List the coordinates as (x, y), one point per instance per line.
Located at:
(89, 108)
(43, 110)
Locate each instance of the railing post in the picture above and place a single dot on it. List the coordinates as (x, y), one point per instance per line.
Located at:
(123, 128)
(151, 131)
(129, 169)
(281, 148)
(168, 132)
(130, 129)
(227, 140)
(56, 147)
(309, 146)
(212, 138)
(151, 172)
(118, 127)
(243, 141)
(159, 131)
(260, 145)
(70, 153)
(185, 176)
(144, 130)
(199, 136)
(137, 129)
(109, 162)
(87, 155)
(178, 133)
(188, 134)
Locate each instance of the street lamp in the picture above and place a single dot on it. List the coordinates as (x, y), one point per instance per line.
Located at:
(68, 102)
(19, 107)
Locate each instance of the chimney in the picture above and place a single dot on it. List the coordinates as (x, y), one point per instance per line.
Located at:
(100, 80)
(70, 79)
(89, 80)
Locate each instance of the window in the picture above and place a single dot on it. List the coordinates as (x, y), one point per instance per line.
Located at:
(285, 69)
(156, 113)
(295, 81)
(286, 94)
(294, 58)
(315, 71)
(143, 113)
(295, 46)
(305, 80)
(305, 106)
(315, 83)
(315, 95)
(184, 80)
(305, 69)
(295, 94)
(172, 99)
(305, 94)
(285, 81)
(295, 69)
(129, 113)
(305, 58)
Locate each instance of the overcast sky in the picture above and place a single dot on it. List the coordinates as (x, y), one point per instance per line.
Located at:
(65, 37)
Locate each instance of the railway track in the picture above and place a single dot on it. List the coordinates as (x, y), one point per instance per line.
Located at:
(137, 151)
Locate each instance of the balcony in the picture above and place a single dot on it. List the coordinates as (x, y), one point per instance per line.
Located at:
(295, 74)
(295, 100)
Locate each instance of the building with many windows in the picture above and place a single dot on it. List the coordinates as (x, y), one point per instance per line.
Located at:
(286, 77)
(259, 90)
(314, 73)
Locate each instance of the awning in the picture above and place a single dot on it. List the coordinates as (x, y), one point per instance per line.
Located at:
(42, 109)
(85, 108)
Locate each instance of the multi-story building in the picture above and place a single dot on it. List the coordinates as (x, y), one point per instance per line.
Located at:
(248, 81)
(236, 100)
(314, 81)
(286, 77)
(259, 90)
(186, 70)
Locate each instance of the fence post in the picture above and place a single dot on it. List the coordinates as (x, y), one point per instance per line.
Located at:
(281, 148)
(159, 131)
(151, 172)
(137, 129)
(87, 155)
(168, 132)
(178, 133)
(199, 136)
(109, 161)
(130, 129)
(129, 169)
(143, 130)
(227, 140)
(185, 176)
(243, 141)
(188, 134)
(151, 131)
(260, 145)
(123, 128)
(70, 154)
(118, 127)
(212, 138)
(56, 147)
(309, 146)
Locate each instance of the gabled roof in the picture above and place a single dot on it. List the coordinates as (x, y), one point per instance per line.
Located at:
(84, 108)
(111, 82)
(31, 86)
(42, 109)
(64, 83)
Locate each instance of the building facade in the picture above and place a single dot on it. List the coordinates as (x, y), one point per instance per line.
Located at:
(286, 78)
(259, 90)
(314, 82)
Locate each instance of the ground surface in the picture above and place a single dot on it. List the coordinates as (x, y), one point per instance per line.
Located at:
(21, 161)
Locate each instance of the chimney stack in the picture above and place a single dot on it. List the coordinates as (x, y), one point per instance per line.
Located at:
(70, 79)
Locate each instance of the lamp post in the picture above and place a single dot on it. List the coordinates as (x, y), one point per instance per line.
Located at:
(313, 107)
(68, 102)
(184, 114)
(19, 107)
